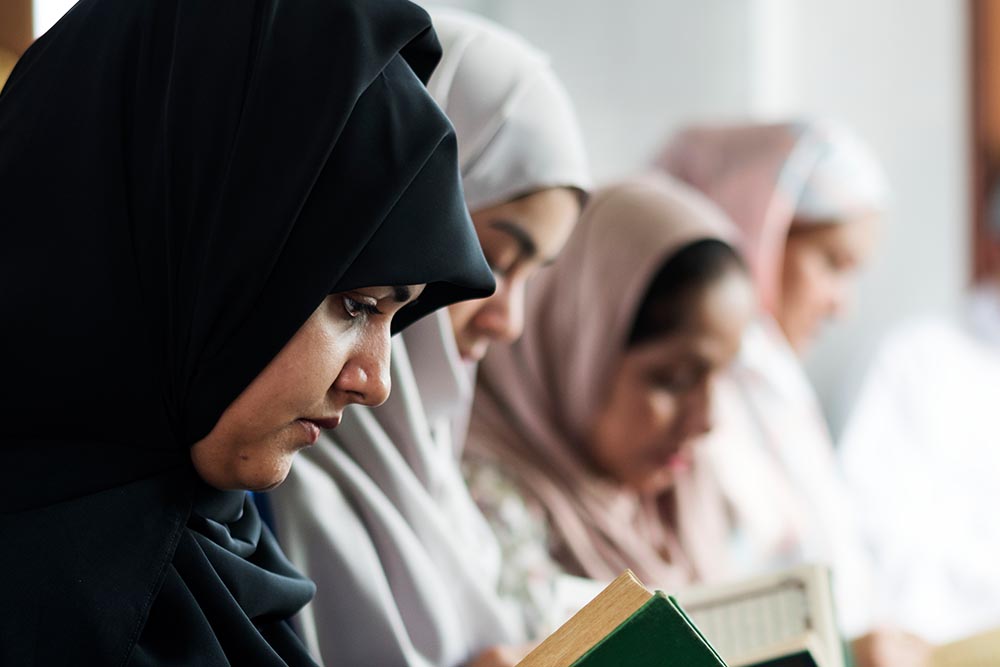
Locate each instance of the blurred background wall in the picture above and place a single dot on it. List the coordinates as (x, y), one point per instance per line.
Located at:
(895, 70)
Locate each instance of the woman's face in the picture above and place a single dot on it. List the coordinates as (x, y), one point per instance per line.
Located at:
(818, 274)
(338, 357)
(517, 238)
(658, 401)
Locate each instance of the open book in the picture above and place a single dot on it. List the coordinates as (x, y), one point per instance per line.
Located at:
(786, 618)
(626, 624)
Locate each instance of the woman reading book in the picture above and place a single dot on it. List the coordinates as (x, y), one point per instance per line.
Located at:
(580, 444)
(214, 214)
(379, 515)
(807, 198)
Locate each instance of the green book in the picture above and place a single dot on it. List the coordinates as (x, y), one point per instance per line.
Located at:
(626, 624)
(658, 634)
(803, 658)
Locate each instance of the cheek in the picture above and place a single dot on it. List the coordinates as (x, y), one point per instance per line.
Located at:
(310, 364)
(633, 424)
(656, 416)
(461, 315)
(805, 283)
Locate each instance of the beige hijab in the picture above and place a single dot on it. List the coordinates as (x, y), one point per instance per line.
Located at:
(535, 400)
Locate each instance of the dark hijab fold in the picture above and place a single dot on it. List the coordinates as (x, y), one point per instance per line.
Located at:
(181, 184)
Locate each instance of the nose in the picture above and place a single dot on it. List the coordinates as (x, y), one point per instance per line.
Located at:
(502, 316)
(365, 376)
(698, 411)
(837, 298)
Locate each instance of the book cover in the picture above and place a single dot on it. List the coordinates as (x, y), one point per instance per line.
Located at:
(599, 617)
(658, 633)
(800, 659)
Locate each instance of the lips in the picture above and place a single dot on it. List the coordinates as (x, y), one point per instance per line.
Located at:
(673, 458)
(681, 461)
(327, 423)
(312, 427)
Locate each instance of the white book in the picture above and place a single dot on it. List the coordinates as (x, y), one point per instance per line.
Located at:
(760, 619)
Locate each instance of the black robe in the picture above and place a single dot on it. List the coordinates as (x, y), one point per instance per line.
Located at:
(182, 182)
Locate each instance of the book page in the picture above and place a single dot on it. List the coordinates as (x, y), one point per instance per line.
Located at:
(745, 622)
(749, 617)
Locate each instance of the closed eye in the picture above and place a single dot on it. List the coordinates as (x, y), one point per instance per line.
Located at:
(355, 308)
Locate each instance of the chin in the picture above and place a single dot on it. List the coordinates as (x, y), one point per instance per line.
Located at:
(265, 478)
(655, 483)
(801, 344)
(803, 338)
(473, 353)
(259, 487)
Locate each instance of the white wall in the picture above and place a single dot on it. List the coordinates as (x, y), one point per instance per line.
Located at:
(47, 12)
(896, 71)
(639, 68)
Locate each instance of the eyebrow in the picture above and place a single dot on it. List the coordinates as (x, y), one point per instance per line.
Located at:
(527, 244)
(401, 293)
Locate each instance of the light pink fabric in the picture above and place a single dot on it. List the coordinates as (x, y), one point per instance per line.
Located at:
(770, 448)
(765, 177)
(536, 400)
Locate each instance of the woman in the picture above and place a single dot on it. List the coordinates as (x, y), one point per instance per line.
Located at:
(581, 432)
(387, 484)
(213, 214)
(807, 198)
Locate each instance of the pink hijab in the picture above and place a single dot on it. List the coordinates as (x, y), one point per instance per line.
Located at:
(765, 177)
(535, 400)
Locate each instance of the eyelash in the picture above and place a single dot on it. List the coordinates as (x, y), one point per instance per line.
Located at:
(676, 381)
(502, 269)
(355, 308)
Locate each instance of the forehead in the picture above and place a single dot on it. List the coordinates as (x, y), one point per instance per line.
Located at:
(855, 234)
(538, 223)
(715, 319)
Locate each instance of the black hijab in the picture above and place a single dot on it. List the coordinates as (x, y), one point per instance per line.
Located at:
(182, 182)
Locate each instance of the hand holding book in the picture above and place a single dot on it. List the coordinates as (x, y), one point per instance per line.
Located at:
(889, 647)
